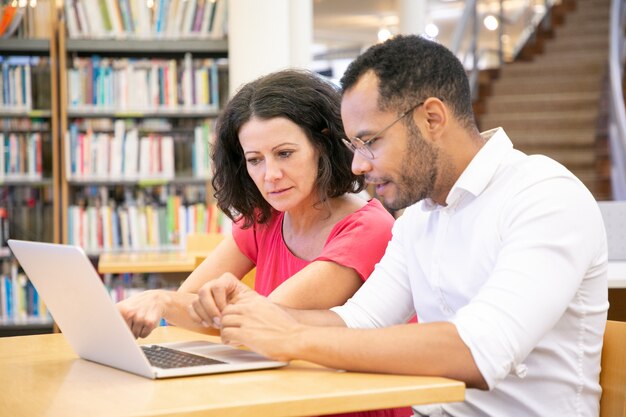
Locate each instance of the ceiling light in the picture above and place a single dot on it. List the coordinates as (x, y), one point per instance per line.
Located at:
(431, 30)
(491, 22)
(383, 34)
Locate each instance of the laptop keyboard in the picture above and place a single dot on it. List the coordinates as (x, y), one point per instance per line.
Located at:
(166, 358)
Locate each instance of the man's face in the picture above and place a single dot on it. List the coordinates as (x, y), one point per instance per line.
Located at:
(404, 167)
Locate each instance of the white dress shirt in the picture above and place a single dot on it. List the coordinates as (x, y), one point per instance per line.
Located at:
(517, 261)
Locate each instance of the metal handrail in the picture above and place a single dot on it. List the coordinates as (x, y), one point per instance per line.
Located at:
(469, 41)
(459, 31)
(617, 112)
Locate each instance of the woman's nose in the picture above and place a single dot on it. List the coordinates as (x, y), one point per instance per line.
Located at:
(272, 171)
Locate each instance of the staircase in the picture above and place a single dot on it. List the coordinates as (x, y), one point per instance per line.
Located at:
(551, 104)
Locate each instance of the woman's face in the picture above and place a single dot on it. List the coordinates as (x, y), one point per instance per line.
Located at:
(281, 161)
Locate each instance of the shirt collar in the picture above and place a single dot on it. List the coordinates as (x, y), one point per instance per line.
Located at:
(479, 171)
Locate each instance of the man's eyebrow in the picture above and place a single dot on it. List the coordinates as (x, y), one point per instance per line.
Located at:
(367, 132)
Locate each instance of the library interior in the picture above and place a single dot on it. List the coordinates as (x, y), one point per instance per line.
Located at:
(108, 120)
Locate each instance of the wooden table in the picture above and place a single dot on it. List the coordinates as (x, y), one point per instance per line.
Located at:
(41, 376)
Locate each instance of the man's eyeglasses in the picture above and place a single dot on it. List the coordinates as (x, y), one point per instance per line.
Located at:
(364, 147)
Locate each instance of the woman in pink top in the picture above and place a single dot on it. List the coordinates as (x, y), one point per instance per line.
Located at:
(283, 175)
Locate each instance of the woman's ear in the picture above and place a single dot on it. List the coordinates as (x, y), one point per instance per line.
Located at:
(325, 131)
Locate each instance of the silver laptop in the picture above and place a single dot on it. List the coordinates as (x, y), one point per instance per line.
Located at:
(79, 303)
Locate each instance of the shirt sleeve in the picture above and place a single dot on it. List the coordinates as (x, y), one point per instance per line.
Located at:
(360, 239)
(551, 235)
(246, 240)
(385, 299)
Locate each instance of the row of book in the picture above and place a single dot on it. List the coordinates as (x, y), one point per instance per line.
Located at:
(26, 19)
(15, 84)
(125, 155)
(146, 18)
(99, 228)
(122, 286)
(143, 124)
(26, 212)
(149, 124)
(21, 156)
(19, 300)
(143, 85)
(24, 124)
(24, 83)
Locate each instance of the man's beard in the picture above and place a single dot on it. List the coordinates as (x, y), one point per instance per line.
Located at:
(418, 171)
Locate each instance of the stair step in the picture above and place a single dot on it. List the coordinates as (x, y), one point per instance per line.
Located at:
(550, 85)
(576, 36)
(586, 8)
(569, 44)
(591, 16)
(579, 119)
(522, 103)
(531, 136)
(569, 66)
(587, 4)
(538, 132)
(580, 55)
(552, 78)
(571, 158)
(576, 29)
(550, 104)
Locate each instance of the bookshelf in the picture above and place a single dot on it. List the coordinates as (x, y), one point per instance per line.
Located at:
(57, 137)
(136, 119)
(29, 155)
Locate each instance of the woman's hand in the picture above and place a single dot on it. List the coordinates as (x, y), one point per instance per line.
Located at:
(143, 312)
(213, 297)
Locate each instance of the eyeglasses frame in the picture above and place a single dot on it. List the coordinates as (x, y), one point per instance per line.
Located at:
(356, 144)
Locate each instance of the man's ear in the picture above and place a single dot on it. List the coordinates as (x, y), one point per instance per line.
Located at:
(437, 116)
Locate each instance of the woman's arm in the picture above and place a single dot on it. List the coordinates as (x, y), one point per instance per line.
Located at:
(144, 311)
(318, 286)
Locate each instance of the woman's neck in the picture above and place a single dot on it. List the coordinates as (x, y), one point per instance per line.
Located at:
(305, 231)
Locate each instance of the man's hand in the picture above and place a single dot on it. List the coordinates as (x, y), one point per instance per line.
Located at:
(213, 297)
(142, 312)
(254, 321)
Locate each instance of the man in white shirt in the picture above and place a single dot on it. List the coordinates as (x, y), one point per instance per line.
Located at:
(501, 255)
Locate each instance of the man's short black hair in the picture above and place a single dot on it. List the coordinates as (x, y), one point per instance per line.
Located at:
(410, 69)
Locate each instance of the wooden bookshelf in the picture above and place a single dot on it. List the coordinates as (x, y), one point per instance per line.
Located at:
(149, 262)
(30, 193)
(24, 45)
(216, 48)
(184, 118)
(54, 121)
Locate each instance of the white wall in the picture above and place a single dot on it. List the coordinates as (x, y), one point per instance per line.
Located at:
(266, 36)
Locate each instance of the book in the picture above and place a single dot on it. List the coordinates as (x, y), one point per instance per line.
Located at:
(82, 19)
(92, 22)
(71, 17)
(107, 18)
(8, 13)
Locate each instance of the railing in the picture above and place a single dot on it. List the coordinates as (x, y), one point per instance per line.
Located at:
(617, 113)
(465, 39)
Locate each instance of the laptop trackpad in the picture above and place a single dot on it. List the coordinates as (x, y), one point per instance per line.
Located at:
(216, 351)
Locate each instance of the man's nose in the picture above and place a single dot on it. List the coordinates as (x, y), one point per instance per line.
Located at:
(360, 164)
